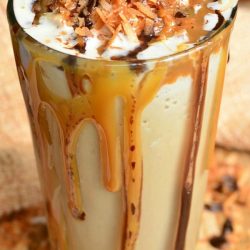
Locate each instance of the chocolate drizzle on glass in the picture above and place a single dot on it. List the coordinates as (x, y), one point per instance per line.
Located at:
(221, 20)
(186, 199)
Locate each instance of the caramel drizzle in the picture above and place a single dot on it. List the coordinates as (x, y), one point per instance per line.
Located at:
(83, 106)
(68, 126)
(40, 128)
(146, 91)
(98, 106)
(102, 116)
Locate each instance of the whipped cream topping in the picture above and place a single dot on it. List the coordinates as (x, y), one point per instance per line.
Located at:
(54, 32)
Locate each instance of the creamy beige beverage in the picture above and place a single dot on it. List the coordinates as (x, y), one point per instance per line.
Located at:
(123, 100)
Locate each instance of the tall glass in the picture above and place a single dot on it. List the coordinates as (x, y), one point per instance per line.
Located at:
(123, 147)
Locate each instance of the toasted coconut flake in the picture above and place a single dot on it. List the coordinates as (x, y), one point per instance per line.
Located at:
(101, 14)
(118, 2)
(149, 27)
(81, 21)
(70, 5)
(145, 10)
(152, 2)
(118, 29)
(103, 37)
(84, 31)
(110, 41)
(128, 29)
(110, 28)
(105, 5)
(140, 26)
(113, 20)
(135, 12)
(105, 31)
(98, 23)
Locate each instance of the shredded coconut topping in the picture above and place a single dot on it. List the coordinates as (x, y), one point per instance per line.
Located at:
(124, 28)
(138, 20)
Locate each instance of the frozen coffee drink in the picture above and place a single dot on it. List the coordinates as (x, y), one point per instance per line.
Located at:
(123, 99)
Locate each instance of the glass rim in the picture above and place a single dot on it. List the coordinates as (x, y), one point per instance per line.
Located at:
(197, 46)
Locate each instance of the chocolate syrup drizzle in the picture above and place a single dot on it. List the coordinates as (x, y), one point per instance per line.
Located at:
(221, 20)
(187, 191)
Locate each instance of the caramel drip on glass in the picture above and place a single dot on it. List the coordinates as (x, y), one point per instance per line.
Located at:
(67, 124)
(97, 104)
(40, 128)
(145, 92)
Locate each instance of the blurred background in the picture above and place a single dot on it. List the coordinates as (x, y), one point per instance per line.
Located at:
(226, 217)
